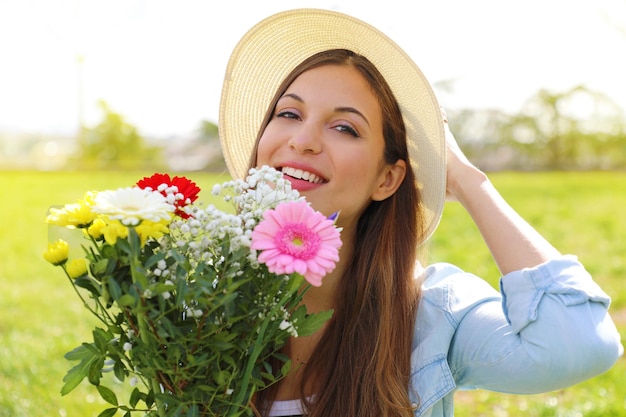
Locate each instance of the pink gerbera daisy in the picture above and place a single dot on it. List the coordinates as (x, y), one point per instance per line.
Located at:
(295, 238)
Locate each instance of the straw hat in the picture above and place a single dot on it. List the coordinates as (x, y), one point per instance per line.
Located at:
(271, 49)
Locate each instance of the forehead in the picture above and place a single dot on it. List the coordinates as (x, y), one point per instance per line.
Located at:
(336, 82)
(329, 73)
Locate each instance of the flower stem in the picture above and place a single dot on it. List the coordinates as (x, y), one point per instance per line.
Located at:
(87, 306)
(142, 320)
(245, 380)
(259, 345)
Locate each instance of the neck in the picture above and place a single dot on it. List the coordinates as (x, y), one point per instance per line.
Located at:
(323, 297)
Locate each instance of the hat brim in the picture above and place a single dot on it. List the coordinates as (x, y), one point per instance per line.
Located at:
(269, 51)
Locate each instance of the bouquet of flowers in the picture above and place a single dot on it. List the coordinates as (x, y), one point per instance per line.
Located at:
(194, 304)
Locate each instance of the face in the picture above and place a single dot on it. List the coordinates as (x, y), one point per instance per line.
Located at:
(326, 137)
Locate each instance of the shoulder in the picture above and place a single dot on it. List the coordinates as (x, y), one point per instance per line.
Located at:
(448, 295)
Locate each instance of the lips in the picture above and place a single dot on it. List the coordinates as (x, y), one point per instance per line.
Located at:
(303, 175)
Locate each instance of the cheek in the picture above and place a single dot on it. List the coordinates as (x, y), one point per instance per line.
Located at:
(264, 151)
(358, 164)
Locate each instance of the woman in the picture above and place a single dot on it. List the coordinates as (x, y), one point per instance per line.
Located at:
(355, 127)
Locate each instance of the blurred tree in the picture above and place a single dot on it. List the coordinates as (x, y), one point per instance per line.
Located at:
(115, 144)
(481, 134)
(199, 151)
(572, 129)
(576, 129)
(208, 132)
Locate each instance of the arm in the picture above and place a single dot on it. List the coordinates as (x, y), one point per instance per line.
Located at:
(550, 330)
(513, 243)
(555, 330)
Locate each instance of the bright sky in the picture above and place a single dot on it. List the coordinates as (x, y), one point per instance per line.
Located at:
(160, 62)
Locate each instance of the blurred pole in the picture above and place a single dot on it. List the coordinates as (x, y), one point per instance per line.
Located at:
(80, 99)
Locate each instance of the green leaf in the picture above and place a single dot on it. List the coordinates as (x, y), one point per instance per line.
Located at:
(122, 244)
(126, 300)
(178, 257)
(89, 284)
(109, 412)
(139, 276)
(153, 260)
(193, 411)
(149, 398)
(119, 370)
(313, 322)
(94, 373)
(79, 353)
(99, 268)
(100, 338)
(222, 377)
(108, 251)
(107, 395)
(119, 319)
(114, 288)
(284, 370)
(92, 347)
(135, 397)
(181, 291)
(75, 375)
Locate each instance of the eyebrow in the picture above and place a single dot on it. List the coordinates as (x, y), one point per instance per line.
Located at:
(343, 109)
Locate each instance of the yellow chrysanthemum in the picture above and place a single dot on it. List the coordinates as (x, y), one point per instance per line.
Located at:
(77, 267)
(148, 229)
(78, 215)
(57, 252)
(96, 230)
(114, 230)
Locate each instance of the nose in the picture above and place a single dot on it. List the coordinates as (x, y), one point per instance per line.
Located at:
(306, 140)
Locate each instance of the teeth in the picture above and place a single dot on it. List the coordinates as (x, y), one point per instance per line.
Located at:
(302, 175)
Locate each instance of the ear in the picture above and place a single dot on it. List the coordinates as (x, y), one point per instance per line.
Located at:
(391, 178)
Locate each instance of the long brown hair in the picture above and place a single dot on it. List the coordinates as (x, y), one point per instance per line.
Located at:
(361, 365)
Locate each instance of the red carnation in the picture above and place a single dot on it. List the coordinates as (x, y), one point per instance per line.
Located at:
(185, 194)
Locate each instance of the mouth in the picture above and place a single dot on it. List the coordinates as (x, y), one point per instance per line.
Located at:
(303, 175)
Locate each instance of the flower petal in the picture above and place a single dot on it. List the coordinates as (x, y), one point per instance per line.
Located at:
(295, 238)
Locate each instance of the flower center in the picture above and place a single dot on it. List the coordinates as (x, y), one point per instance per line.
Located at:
(297, 240)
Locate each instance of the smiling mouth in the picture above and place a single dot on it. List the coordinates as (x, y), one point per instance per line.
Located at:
(302, 175)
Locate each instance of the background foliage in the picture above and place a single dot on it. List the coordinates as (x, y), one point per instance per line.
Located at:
(114, 143)
(41, 319)
(577, 129)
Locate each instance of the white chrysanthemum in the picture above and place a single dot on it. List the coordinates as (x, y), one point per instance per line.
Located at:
(131, 205)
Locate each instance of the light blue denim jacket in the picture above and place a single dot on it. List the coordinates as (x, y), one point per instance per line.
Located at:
(547, 328)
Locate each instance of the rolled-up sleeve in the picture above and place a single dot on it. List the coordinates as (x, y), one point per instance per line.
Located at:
(564, 278)
(551, 329)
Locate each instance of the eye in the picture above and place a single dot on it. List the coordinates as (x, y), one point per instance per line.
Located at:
(287, 114)
(347, 129)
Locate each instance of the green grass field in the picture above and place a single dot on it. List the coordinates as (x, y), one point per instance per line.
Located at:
(41, 318)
